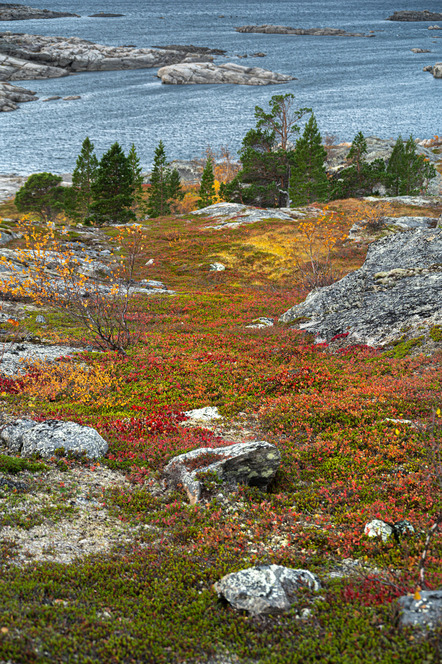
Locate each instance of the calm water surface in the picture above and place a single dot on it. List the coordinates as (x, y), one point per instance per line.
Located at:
(376, 85)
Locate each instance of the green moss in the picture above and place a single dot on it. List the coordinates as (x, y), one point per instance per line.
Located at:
(403, 348)
(14, 465)
(436, 333)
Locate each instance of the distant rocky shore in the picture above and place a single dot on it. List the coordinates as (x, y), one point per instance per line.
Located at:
(410, 15)
(286, 30)
(207, 73)
(15, 12)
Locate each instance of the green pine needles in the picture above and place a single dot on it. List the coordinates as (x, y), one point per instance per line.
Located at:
(112, 190)
(308, 179)
(165, 185)
(207, 189)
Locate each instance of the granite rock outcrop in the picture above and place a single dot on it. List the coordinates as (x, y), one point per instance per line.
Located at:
(207, 73)
(393, 297)
(11, 95)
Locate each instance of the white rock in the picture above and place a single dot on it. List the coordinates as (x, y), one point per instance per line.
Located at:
(217, 267)
(378, 528)
(205, 414)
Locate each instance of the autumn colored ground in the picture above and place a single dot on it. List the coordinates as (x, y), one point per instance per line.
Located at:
(330, 411)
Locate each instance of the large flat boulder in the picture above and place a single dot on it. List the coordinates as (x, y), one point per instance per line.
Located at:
(395, 295)
(193, 73)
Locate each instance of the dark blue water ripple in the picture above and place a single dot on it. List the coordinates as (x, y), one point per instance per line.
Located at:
(376, 85)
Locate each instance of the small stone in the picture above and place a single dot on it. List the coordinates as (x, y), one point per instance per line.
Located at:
(217, 267)
(378, 528)
(41, 319)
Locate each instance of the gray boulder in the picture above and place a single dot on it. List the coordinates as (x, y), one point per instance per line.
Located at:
(425, 612)
(207, 73)
(265, 589)
(27, 437)
(254, 464)
(396, 292)
(12, 434)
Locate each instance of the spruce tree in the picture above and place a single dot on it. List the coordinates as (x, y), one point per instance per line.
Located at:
(207, 189)
(113, 189)
(175, 189)
(137, 176)
(407, 172)
(360, 178)
(308, 181)
(160, 181)
(83, 178)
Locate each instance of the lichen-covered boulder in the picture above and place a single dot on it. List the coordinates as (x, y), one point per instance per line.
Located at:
(394, 296)
(265, 588)
(425, 612)
(12, 434)
(27, 437)
(254, 464)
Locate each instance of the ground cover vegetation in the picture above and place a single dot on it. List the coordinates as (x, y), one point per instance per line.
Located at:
(330, 413)
(359, 431)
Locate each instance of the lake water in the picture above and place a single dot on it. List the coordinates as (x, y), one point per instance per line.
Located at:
(375, 85)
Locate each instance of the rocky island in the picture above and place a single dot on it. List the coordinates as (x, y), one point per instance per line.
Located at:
(199, 72)
(286, 30)
(410, 15)
(15, 12)
(29, 57)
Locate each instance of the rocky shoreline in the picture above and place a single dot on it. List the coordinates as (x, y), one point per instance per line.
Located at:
(286, 30)
(15, 12)
(410, 15)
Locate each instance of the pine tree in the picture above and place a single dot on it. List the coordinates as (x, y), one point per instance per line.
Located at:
(42, 193)
(308, 181)
(160, 181)
(83, 178)
(267, 155)
(113, 189)
(207, 189)
(137, 175)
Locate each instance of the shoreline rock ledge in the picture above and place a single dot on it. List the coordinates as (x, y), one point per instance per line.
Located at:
(11, 95)
(208, 73)
(411, 15)
(287, 30)
(16, 12)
